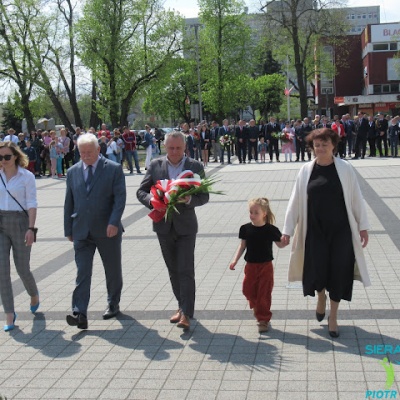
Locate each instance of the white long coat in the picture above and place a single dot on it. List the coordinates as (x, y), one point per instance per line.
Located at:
(296, 219)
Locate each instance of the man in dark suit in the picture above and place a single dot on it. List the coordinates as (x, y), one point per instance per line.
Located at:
(361, 138)
(177, 234)
(241, 137)
(372, 135)
(273, 142)
(94, 202)
(382, 126)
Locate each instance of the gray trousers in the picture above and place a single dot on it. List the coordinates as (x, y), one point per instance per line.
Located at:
(13, 226)
(178, 253)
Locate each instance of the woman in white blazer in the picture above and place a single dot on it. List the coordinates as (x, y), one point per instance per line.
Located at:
(327, 216)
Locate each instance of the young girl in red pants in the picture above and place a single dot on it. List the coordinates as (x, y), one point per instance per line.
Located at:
(256, 238)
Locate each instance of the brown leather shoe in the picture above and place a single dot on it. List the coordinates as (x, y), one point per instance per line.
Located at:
(263, 326)
(184, 322)
(176, 317)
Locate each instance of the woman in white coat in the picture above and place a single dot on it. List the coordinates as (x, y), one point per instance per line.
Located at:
(327, 216)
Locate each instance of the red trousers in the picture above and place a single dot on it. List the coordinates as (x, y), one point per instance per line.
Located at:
(257, 288)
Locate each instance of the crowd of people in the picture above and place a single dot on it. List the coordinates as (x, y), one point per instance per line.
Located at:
(277, 139)
(51, 155)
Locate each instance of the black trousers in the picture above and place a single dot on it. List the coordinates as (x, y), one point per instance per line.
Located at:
(379, 141)
(241, 150)
(273, 147)
(253, 146)
(361, 146)
(372, 148)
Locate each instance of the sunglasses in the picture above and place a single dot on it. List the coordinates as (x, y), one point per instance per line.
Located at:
(7, 157)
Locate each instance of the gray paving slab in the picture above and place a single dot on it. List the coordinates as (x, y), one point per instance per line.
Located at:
(141, 355)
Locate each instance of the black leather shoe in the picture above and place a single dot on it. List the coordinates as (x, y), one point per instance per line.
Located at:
(320, 316)
(333, 334)
(112, 311)
(78, 320)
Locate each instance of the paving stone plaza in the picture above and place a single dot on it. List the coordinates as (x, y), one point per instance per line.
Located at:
(141, 355)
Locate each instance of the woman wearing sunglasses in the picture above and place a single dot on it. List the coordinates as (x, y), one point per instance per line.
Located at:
(17, 227)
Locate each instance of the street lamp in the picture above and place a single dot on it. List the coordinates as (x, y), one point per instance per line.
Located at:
(196, 27)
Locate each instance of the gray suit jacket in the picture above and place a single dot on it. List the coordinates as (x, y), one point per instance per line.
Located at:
(184, 222)
(92, 211)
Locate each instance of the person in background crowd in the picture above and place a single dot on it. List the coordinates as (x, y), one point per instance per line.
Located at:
(216, 146)
(65, 141)
(149, 139)
(350, 129)
(307, 129)
(18, 207)
(112, 148)
(11, 136)
(362, 134)
(130, 142)
(272, 131)
(158, 137)
(103, 144)
(204, 143)
(53, 158)
(252, 143)
(31, 154)
(241, 141)
(225, 131)
(45, 154)
(299, 140)
(394, 131)
(103, 129)
(372, 135)
(21, 141)
(382, 130)
(288, 141)
(75, 138)
(262, 148)
(338, 127)
(189, 149)
(37, 144)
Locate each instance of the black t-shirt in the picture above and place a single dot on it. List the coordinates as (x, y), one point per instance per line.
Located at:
(259, 241)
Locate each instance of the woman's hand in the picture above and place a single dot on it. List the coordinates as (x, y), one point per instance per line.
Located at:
(29, 237)
(232, 265)
(285, 240)
(364, 238)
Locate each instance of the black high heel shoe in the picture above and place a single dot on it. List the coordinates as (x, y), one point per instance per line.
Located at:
(319, 316)
(333, 334)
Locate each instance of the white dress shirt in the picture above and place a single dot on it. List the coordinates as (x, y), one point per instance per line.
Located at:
(22, 186)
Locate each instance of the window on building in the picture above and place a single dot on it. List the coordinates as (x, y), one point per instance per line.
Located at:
(364, 16)
(369, 16)
(380, 47)
(377, 89)
(393, 46)
(394, 87)
(359, 16)
(385, 88)
(352, 16)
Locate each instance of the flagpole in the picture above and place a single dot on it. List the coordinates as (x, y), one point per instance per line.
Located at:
(287, 85)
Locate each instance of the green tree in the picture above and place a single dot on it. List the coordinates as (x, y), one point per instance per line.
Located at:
(267, 93)
(16, 18)
(13, 113)
(225, 52)
(170, 97)
(126, 44)
(302, 28)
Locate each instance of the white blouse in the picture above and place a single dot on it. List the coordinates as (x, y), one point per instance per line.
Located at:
(22, 186)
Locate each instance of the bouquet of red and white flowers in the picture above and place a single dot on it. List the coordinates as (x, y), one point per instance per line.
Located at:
(168, 193)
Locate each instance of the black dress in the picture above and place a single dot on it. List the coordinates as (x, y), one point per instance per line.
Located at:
(329, 254)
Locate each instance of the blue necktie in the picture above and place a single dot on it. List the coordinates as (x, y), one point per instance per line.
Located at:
(89, 176)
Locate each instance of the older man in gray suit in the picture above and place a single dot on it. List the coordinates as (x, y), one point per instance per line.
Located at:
(177, 235)
(94, 202)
